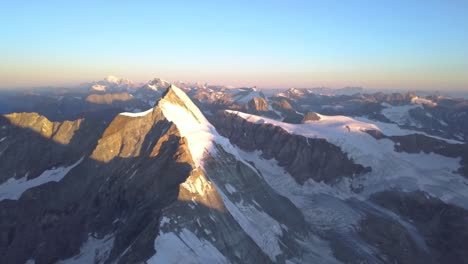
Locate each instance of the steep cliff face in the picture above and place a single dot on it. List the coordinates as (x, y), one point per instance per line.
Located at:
(305, 158)
(153, 179)
(165, 186)
(258, 104)
(30, 143)
(287, 111)
(114, 195)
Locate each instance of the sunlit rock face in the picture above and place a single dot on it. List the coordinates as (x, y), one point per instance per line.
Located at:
(146, 167)
(166, 185)
(31, 143)
(130, 172)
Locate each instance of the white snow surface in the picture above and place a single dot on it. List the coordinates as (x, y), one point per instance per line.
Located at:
(194, 126)
(137, 114)
(98, 87)
(13, 188)
(184, 247)
(421, 100)
(400, 114)
(323, 205)
(431, 172)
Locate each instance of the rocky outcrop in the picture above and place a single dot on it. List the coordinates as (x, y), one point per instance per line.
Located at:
(139, 174)
(305, 158)
(31, 143)
(117, 191)
(310, 116)
(288, 112)
(258, 104)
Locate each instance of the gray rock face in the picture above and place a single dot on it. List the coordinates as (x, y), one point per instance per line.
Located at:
(444, 227)
(305, 158)
(31, 143)
(258, 104)
(287, 111)
(138, 195)
(119, 189)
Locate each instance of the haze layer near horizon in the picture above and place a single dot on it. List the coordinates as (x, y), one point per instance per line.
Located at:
(402, 44)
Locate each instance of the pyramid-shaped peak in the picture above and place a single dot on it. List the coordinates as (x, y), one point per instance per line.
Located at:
(176, 96)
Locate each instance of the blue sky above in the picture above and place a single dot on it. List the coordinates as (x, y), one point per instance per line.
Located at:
(396, 44)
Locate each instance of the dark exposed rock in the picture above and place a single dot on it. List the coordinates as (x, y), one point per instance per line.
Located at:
(287, 111)
(444, 226)
(31, 143)
(305, 158)
(392, 240)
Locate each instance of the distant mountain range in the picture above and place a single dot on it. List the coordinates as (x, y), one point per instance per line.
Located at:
(118, 172)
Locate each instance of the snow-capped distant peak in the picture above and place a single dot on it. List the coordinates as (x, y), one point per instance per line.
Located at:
(422, 101)
(157, 84)
(98, 87)
(112, 79)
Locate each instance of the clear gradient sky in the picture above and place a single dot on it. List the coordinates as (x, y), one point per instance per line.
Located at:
(375, 44)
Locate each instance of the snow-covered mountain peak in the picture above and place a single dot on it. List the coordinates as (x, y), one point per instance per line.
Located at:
(202, 137)
(111, 83)
(112, 79)
(157, 84)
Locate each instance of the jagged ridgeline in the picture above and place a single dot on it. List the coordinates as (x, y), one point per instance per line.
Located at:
(167, 185)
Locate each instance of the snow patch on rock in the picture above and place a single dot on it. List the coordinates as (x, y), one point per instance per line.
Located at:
(13, 188)
(184, 247)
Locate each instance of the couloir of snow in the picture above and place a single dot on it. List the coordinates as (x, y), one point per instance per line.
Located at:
(13, 188)
(430, 172)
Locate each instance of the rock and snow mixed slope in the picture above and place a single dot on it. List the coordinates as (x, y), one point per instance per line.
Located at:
(217, 202)
(166, 186)
(340, 212)
(423, 171)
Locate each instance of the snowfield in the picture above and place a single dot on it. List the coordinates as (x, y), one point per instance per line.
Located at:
(430, 172)
(13, 188)
(184, 247)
